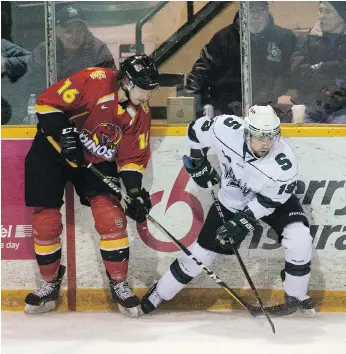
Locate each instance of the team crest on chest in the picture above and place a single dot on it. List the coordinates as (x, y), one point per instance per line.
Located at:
(103, 141)
(274, 52)
(229, 174)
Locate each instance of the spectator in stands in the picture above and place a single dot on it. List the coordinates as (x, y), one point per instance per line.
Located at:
(14, 62)
(319, 64)
(216, 76)
(331, 103)
(76, 49)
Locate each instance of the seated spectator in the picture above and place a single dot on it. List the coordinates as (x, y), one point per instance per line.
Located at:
(14, 62)
(216, 76)
(76, 49)
(331, 105)
(319, 64)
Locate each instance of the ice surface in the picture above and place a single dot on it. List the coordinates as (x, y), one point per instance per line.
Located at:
(171, 333)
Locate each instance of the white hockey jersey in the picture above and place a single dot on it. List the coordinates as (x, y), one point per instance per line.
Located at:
(262, 184)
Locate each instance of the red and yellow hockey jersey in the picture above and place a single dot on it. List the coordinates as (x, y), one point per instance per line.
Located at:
(108, 132)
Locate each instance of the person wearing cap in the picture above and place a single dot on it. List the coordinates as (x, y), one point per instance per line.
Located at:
(101, 117)
(319, 64)
(76, 49)
(216, 76)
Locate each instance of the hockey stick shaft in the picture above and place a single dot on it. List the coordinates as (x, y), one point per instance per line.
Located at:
(252, 309)
(242, 265)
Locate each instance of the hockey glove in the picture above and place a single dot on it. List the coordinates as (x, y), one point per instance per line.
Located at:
(235, 229)
(140, 206)
(71, 146)
(201, 171)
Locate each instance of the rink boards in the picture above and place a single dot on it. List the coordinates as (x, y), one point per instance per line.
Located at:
(180, 206)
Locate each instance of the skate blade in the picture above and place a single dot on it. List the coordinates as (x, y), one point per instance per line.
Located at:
(310, 313)
(131, 311)
(275, 313)
(43, 308)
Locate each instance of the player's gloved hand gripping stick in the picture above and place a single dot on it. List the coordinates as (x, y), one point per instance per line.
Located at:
(71, 146)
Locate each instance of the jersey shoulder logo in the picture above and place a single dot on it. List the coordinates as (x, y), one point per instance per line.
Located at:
(98, 74)
(103, 141)
(145, 107)
(120, 110)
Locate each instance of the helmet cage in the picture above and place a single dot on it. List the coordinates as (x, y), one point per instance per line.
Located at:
(263, 134)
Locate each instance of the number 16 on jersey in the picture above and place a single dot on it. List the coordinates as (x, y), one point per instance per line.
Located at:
(143, 140)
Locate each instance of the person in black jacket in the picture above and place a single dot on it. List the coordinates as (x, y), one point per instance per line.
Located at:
(14, 63)
(319, 65)
(216, 76)
(14, 60)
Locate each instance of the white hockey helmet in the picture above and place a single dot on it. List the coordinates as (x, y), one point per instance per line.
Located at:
(262, 122)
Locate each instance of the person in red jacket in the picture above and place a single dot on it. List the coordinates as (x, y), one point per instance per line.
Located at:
(95, 116)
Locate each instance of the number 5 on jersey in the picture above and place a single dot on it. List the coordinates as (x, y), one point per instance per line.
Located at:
(68, 95)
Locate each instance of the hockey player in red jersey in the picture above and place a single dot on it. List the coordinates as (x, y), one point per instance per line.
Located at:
(95, 116)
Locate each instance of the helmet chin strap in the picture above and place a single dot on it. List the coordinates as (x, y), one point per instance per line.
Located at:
(127, 93)
(127, 85)
(247, 138)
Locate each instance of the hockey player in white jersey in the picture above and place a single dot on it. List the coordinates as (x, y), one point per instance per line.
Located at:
(259, 171)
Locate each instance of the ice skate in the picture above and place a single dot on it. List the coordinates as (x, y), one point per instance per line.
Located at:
(45, 298)
(292, 305)
(128, 303)
(151, 300)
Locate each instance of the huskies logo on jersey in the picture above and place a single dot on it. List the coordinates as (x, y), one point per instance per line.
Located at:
(234, 181)
(102, 141)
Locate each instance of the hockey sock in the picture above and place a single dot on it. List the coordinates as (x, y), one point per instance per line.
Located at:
(47, 228)
(48, 259)
(110, 223)
(182, 271)
(115, 255)
(298, 248)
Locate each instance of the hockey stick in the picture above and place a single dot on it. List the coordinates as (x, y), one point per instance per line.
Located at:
(253, 310)
(235, 250)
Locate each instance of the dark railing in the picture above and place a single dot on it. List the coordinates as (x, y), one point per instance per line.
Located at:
(188, 30)
(190, 13)
(140, 24)
(151, 14)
